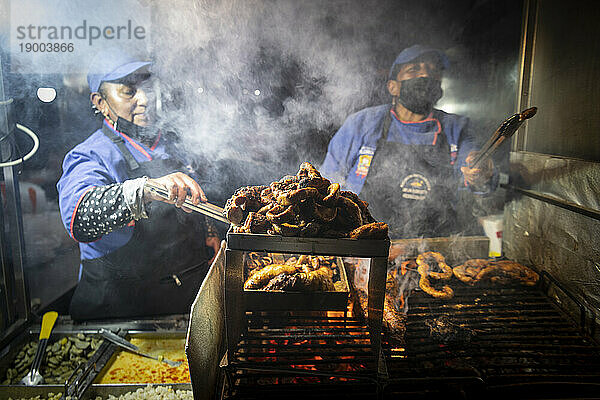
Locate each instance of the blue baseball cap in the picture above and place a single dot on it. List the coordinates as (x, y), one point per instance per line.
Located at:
(112, 64)
(413, 52)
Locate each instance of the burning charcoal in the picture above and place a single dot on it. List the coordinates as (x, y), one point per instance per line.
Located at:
(443, 329)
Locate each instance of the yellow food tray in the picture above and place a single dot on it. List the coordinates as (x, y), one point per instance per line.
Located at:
(127, 367)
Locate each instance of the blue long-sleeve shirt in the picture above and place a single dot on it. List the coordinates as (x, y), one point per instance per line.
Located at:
(356, 141)
(96, 162)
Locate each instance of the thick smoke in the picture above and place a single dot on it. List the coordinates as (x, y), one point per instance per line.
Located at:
(252, 80)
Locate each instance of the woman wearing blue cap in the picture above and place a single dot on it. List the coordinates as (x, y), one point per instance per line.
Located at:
(139, 254)
(408, 159)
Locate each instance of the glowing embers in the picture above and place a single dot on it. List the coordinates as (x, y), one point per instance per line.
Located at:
(303, 348)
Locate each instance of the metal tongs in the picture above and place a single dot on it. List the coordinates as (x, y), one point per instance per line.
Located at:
(119, 341)
(504, 132)
(207, 209)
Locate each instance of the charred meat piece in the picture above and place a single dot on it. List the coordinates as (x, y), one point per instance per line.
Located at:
(506, 272)
(468, 271)
(307, 170)
(426, 262)
(244, 200)
(283, 282)
(285, 229)
(279, 214)
(433, 260)
(445, 292)
(324, 214)
(286, 183)
(348, 215)
(477, 271)
(374, 230)
(363, 205)
(261, 277)
(295, 196)
(255, 223)
(333, 193)
(318, 279)
(394, 321)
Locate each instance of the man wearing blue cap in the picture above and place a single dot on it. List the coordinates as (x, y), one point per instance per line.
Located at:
(139, 254)
(408, 160)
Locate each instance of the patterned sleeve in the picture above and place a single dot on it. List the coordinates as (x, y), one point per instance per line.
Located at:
(102, 210)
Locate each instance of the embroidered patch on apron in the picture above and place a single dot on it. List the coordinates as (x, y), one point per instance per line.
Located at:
(365, 156)
(415, 186)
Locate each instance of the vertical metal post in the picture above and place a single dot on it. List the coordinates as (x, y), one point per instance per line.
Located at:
(528, 34)
(377, 276)
(234, 301)
(13, 274)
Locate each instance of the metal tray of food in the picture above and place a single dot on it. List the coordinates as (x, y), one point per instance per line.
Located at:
(95, 391)
(124, 367)
(300, 245)
(277, 300)
(65, 353)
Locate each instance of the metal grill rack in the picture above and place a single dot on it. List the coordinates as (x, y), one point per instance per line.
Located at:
(315, 353)
(292, 339)
(521, 345)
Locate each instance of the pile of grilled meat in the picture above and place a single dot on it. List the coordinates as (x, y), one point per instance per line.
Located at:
(305, 204)
(272, 273)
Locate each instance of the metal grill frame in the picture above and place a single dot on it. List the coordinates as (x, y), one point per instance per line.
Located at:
(277, 354)
(238, 243)
(549, 355)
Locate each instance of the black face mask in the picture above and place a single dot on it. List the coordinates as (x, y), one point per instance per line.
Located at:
(420, 94)
(135, 131)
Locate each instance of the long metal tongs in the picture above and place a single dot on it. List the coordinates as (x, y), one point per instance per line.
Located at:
(504, 132)
(210, 210)
(119, 341)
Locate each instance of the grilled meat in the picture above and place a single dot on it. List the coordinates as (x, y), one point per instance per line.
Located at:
(283, 282)
(255, 223)
(424, 261)
(468, 271)
(318, 279)
(374, 230)
(306, 205)
(425, 284)
(504, 272)
(243, 201)
(261, 277)
(430, 260)
(302, 273)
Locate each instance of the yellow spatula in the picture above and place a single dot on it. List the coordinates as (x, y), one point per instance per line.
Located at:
(34, 377)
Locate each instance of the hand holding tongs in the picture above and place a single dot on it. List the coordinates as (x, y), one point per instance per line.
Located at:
(505, 131)
(207, 209)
